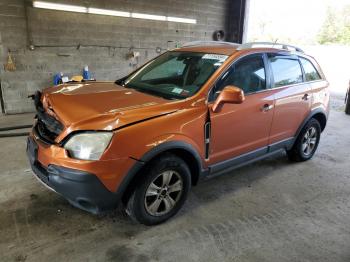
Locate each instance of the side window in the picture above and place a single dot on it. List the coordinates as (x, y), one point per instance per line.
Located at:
(286, 70)
(247, 74)
(311, 73)
(171, 68)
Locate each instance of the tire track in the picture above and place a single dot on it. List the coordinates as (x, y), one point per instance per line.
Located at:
(228, 240)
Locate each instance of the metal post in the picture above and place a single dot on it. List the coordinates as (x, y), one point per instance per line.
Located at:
(234, 20)
(2, 55)
(246, 22)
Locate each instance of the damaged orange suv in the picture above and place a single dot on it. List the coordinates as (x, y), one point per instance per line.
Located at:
(193, 112)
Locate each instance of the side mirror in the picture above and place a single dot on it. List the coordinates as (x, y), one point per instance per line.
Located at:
(230, 94)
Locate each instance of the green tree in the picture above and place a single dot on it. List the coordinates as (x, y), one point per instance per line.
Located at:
(336, 27)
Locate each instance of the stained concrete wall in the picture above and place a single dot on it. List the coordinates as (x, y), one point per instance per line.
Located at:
(67, 41)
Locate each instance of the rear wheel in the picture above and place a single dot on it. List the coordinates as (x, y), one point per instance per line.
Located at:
(307, 142)
(162, 192)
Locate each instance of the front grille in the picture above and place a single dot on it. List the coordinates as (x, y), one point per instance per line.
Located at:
(44, 133)
(47, 127)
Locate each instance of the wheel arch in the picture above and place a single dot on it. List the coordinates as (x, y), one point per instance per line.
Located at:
(181, 149)
(322, 119)
(319, 114)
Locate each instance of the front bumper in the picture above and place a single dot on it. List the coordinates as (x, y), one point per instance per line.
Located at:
(82, 189)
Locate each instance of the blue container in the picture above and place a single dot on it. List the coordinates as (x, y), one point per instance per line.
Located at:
(86, 73)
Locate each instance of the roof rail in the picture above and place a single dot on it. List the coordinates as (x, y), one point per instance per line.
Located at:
(196, 43)
(269, 44)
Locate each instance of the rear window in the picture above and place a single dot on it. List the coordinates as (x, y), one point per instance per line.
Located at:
(311, 73)
(286, 70)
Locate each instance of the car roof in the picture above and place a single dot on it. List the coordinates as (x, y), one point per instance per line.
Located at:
(227, 48)
(223, 48)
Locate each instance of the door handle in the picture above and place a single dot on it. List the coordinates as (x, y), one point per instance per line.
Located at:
(266, 107)
(306, 97)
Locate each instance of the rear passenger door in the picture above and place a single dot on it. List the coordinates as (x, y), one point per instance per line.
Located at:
(318, 85)
(292, 96)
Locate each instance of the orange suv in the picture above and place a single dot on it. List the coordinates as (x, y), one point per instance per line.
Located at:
(193, 112)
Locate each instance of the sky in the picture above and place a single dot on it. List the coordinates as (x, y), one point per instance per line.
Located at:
(297, 21)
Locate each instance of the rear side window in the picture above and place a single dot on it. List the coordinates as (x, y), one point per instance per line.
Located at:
(310, 71)
(286, 70)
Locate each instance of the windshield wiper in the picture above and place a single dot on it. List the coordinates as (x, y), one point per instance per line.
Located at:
(118, 82)
(121, 82)
(155, 93)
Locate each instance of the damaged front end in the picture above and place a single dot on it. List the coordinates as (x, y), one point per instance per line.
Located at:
(85, 184)
(47, 127)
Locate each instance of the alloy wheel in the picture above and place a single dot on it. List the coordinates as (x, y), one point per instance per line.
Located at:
(163, 193)
(309, 141)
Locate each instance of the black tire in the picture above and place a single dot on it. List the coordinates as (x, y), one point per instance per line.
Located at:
(299, 153)
(137, 205)
(347, 103)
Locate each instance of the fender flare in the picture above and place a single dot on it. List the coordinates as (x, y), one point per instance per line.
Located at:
(140, 163)
(169, 146)
(311, 115)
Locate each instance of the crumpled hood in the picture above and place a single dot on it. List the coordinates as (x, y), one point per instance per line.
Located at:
(102, 105)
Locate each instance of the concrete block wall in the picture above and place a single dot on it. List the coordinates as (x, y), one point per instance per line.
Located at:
(67, 41)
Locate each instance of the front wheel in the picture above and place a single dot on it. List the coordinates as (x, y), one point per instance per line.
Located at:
(307, 142)
(162, 192)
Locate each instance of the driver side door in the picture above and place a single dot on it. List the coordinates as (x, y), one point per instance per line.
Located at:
(238, 129)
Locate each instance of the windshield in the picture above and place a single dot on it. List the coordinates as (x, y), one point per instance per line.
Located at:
(175, 75)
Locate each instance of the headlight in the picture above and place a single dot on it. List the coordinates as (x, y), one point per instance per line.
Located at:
(88, 146)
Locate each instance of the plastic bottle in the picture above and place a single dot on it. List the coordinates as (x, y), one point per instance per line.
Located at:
(86, 73)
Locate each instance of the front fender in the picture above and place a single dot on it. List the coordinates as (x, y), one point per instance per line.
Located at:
(172, 145)
(130, 178)
(170, 141)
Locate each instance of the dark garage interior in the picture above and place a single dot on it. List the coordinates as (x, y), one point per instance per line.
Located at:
(269, 210)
